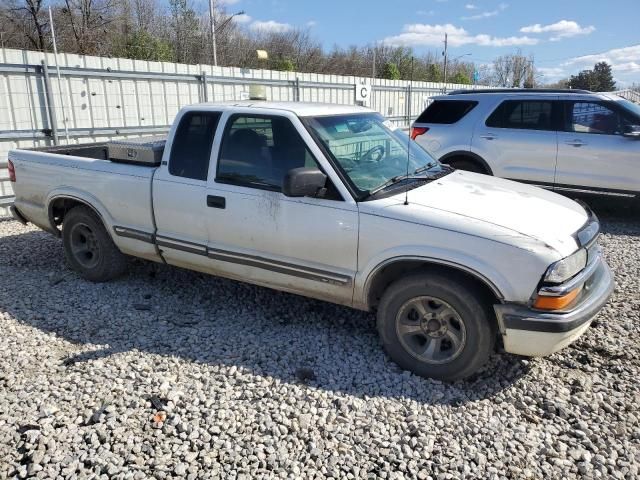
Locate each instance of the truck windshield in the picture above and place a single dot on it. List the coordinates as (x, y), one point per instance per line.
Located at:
(370, 151)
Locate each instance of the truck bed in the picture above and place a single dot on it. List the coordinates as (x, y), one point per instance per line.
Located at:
(144, 151)
(120, 192)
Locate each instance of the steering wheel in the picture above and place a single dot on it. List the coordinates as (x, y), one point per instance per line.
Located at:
(374, 154)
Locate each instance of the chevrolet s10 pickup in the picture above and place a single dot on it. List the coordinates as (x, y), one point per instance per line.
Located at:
(331, 202)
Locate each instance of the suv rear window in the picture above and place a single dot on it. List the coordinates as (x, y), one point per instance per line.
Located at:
(446, 111)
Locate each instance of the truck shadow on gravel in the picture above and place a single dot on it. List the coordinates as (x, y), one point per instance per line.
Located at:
(221, 323)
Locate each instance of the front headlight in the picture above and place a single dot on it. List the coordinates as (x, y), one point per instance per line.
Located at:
(566, 268)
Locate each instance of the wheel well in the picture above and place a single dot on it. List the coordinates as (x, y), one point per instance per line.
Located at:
(467, 157)
(59, 207)
(394, 271)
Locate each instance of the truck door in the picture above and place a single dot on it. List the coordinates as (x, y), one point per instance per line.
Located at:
(179, 191)
(303, 245)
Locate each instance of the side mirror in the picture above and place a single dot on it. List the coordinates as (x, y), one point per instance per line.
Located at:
(632, 131)
(303, 182)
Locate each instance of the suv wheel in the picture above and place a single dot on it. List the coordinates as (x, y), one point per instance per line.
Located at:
(436, 327)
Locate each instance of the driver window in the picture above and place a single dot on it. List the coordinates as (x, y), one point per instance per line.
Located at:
(591, 117)
(257, 151)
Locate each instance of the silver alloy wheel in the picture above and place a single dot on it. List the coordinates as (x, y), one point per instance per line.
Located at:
(84, 245)
(431, 330)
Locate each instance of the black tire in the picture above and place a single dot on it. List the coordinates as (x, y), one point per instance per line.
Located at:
(471, 323)
(88, 248)
(468, 165)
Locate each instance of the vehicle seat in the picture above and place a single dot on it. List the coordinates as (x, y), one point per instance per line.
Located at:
(543, 121)
(246, 145)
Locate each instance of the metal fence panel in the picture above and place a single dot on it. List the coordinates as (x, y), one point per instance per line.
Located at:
(101, 98)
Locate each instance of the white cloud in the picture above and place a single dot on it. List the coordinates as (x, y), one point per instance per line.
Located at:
(625, 59)
(433, 35)
(228, 2)
(242, 18)
(426, 13)
(625, 63)
(471, 6)
(487, 14)
(270, 26)
(559, 30)
(311, 23)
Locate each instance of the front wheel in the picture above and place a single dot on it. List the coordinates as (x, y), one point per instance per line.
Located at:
(88, 248)
(436, 327)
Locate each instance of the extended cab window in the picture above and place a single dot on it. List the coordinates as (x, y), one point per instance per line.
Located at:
(446, 111)
(522, 114)
(592, 117)
(191, 148)
(257, 151)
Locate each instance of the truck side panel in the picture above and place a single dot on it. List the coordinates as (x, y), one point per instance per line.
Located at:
(120, 194)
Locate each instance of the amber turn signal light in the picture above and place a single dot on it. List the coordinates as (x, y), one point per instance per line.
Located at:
(556, 303)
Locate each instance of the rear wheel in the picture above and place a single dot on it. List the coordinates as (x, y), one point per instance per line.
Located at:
(88, 248)
(436, 327)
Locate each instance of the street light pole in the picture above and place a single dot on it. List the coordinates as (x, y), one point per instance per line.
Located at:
(445, 59)
(212, 24)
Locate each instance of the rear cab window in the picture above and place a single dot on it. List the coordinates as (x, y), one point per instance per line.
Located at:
(446, 112)
(523, 115)
(191, 149)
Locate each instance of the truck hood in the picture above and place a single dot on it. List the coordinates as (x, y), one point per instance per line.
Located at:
(523, 210)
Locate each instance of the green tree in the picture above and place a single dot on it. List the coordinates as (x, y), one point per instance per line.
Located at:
(584, 80)
(284, 65)
(143, 46)
(391, 71)
(434, 73)
(604, 77)
(600, 79)
(461, 77)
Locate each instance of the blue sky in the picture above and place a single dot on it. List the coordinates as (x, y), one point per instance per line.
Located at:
(565, 36)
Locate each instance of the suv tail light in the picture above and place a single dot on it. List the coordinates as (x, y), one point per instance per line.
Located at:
(417, 131)
(12, 171)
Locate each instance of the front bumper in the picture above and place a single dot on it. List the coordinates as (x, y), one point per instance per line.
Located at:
(530, 332)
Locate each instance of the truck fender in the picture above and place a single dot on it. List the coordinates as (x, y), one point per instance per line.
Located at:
(83, 197)
(479, 269)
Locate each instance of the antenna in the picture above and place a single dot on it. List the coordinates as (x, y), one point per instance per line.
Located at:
(406, 188)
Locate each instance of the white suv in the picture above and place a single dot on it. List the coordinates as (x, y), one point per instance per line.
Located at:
(567, 140)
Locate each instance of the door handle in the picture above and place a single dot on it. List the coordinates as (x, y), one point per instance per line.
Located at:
(216, 202)
(489, 136)
(575, 143)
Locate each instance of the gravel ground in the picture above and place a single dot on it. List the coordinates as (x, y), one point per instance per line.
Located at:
(172, 374)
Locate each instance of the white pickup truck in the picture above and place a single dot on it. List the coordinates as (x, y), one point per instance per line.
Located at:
(331, 202)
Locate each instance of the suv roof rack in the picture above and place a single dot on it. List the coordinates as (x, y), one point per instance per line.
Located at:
(518, 90)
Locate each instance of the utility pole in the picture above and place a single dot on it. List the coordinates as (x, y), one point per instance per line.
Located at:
(373, 68)
(445, 58)
(55, 53)
(212, 25)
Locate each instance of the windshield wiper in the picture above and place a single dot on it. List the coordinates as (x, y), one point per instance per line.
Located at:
(424, 168)
(397, 179)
